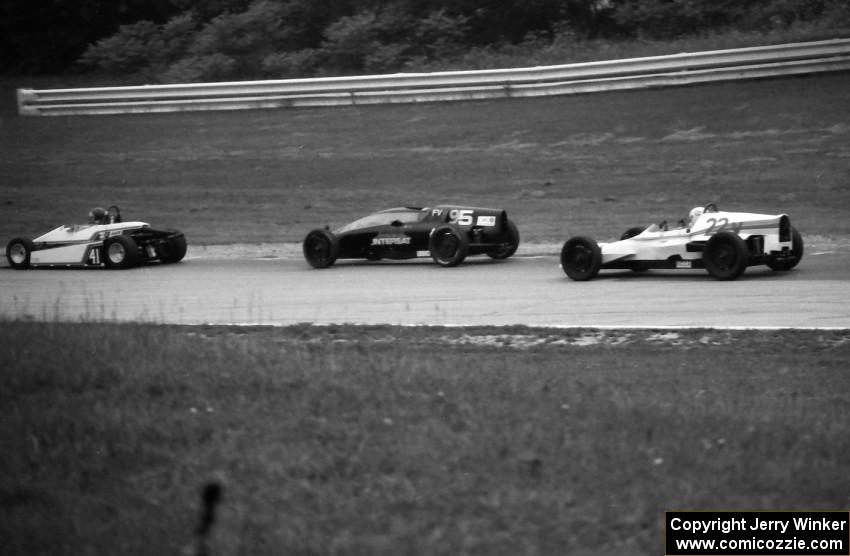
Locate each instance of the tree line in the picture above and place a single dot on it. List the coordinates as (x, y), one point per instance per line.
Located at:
(202, 40)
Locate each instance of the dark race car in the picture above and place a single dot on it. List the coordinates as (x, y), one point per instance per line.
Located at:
(447, 233)
(106, 240)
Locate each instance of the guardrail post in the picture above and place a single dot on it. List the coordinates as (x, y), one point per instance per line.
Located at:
(26, 102)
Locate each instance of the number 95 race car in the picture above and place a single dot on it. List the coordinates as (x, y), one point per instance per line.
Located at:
(723, 243)
(447, 232)
(105, 240)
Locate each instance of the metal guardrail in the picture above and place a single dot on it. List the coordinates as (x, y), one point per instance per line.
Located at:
(657, 71)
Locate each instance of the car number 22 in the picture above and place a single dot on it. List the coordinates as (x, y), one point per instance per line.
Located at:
(716, 225)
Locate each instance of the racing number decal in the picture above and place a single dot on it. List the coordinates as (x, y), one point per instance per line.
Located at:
(718, 225)
(465, 217)
(715, 223)
(461, 217)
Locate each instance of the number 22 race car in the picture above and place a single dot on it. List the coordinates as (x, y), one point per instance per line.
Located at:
(447, 232)
(105, 240)
(723, 243)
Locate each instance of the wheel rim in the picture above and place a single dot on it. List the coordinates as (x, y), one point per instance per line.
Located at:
(18, 253)
(116, 253)
(579, 258)
(447, 245)
(320, 249)
(725, 257)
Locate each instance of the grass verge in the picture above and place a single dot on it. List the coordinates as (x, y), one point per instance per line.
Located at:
(386, 440)
(589, 164)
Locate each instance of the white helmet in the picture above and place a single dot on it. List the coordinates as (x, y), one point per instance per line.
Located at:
(695, 213)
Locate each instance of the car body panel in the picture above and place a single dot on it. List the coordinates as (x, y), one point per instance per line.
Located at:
(83, 245)
(76, 233)
(78, 244)
(763, 239)
(657, 244)
(405, 232)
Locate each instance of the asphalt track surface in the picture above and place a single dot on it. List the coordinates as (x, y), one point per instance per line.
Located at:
(528, 289)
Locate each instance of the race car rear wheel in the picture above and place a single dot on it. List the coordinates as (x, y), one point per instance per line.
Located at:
(726, 256)
(321, 248)
(510, 246)
(581, 258)
(120, 252)
(18, 252)
(787, 263)
(173, 249)
(448, 245)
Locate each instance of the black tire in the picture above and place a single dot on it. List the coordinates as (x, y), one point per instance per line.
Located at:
(509, 247)
(18, 253)
(448, 245)
(120, 252)
(726, 256)
(581, 258)
(173, 249)
(797, 250)
(632, 232)
(321, 248)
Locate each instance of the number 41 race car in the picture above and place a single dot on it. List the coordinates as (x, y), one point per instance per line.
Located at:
(723, 243)
(447, 232)
(104, 241)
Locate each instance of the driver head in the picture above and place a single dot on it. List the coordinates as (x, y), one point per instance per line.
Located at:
(695, 213)
(97, 215)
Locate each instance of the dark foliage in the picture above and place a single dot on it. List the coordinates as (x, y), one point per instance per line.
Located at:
(187, 40)
(42, 36)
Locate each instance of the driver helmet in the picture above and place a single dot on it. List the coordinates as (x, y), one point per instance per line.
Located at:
(97, 215)
(695, 213)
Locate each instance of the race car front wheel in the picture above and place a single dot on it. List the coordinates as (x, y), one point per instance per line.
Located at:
(18, 253)
(726, 256)
(581, 258)
(321, 248)
(448, 245)
(120, 252)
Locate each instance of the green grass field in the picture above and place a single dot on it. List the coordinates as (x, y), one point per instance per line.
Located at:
(333, 440)
(594, 164)
(379, 440)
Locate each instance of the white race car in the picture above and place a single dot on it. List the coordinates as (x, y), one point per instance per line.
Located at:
(104, 241)
(723, 243)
